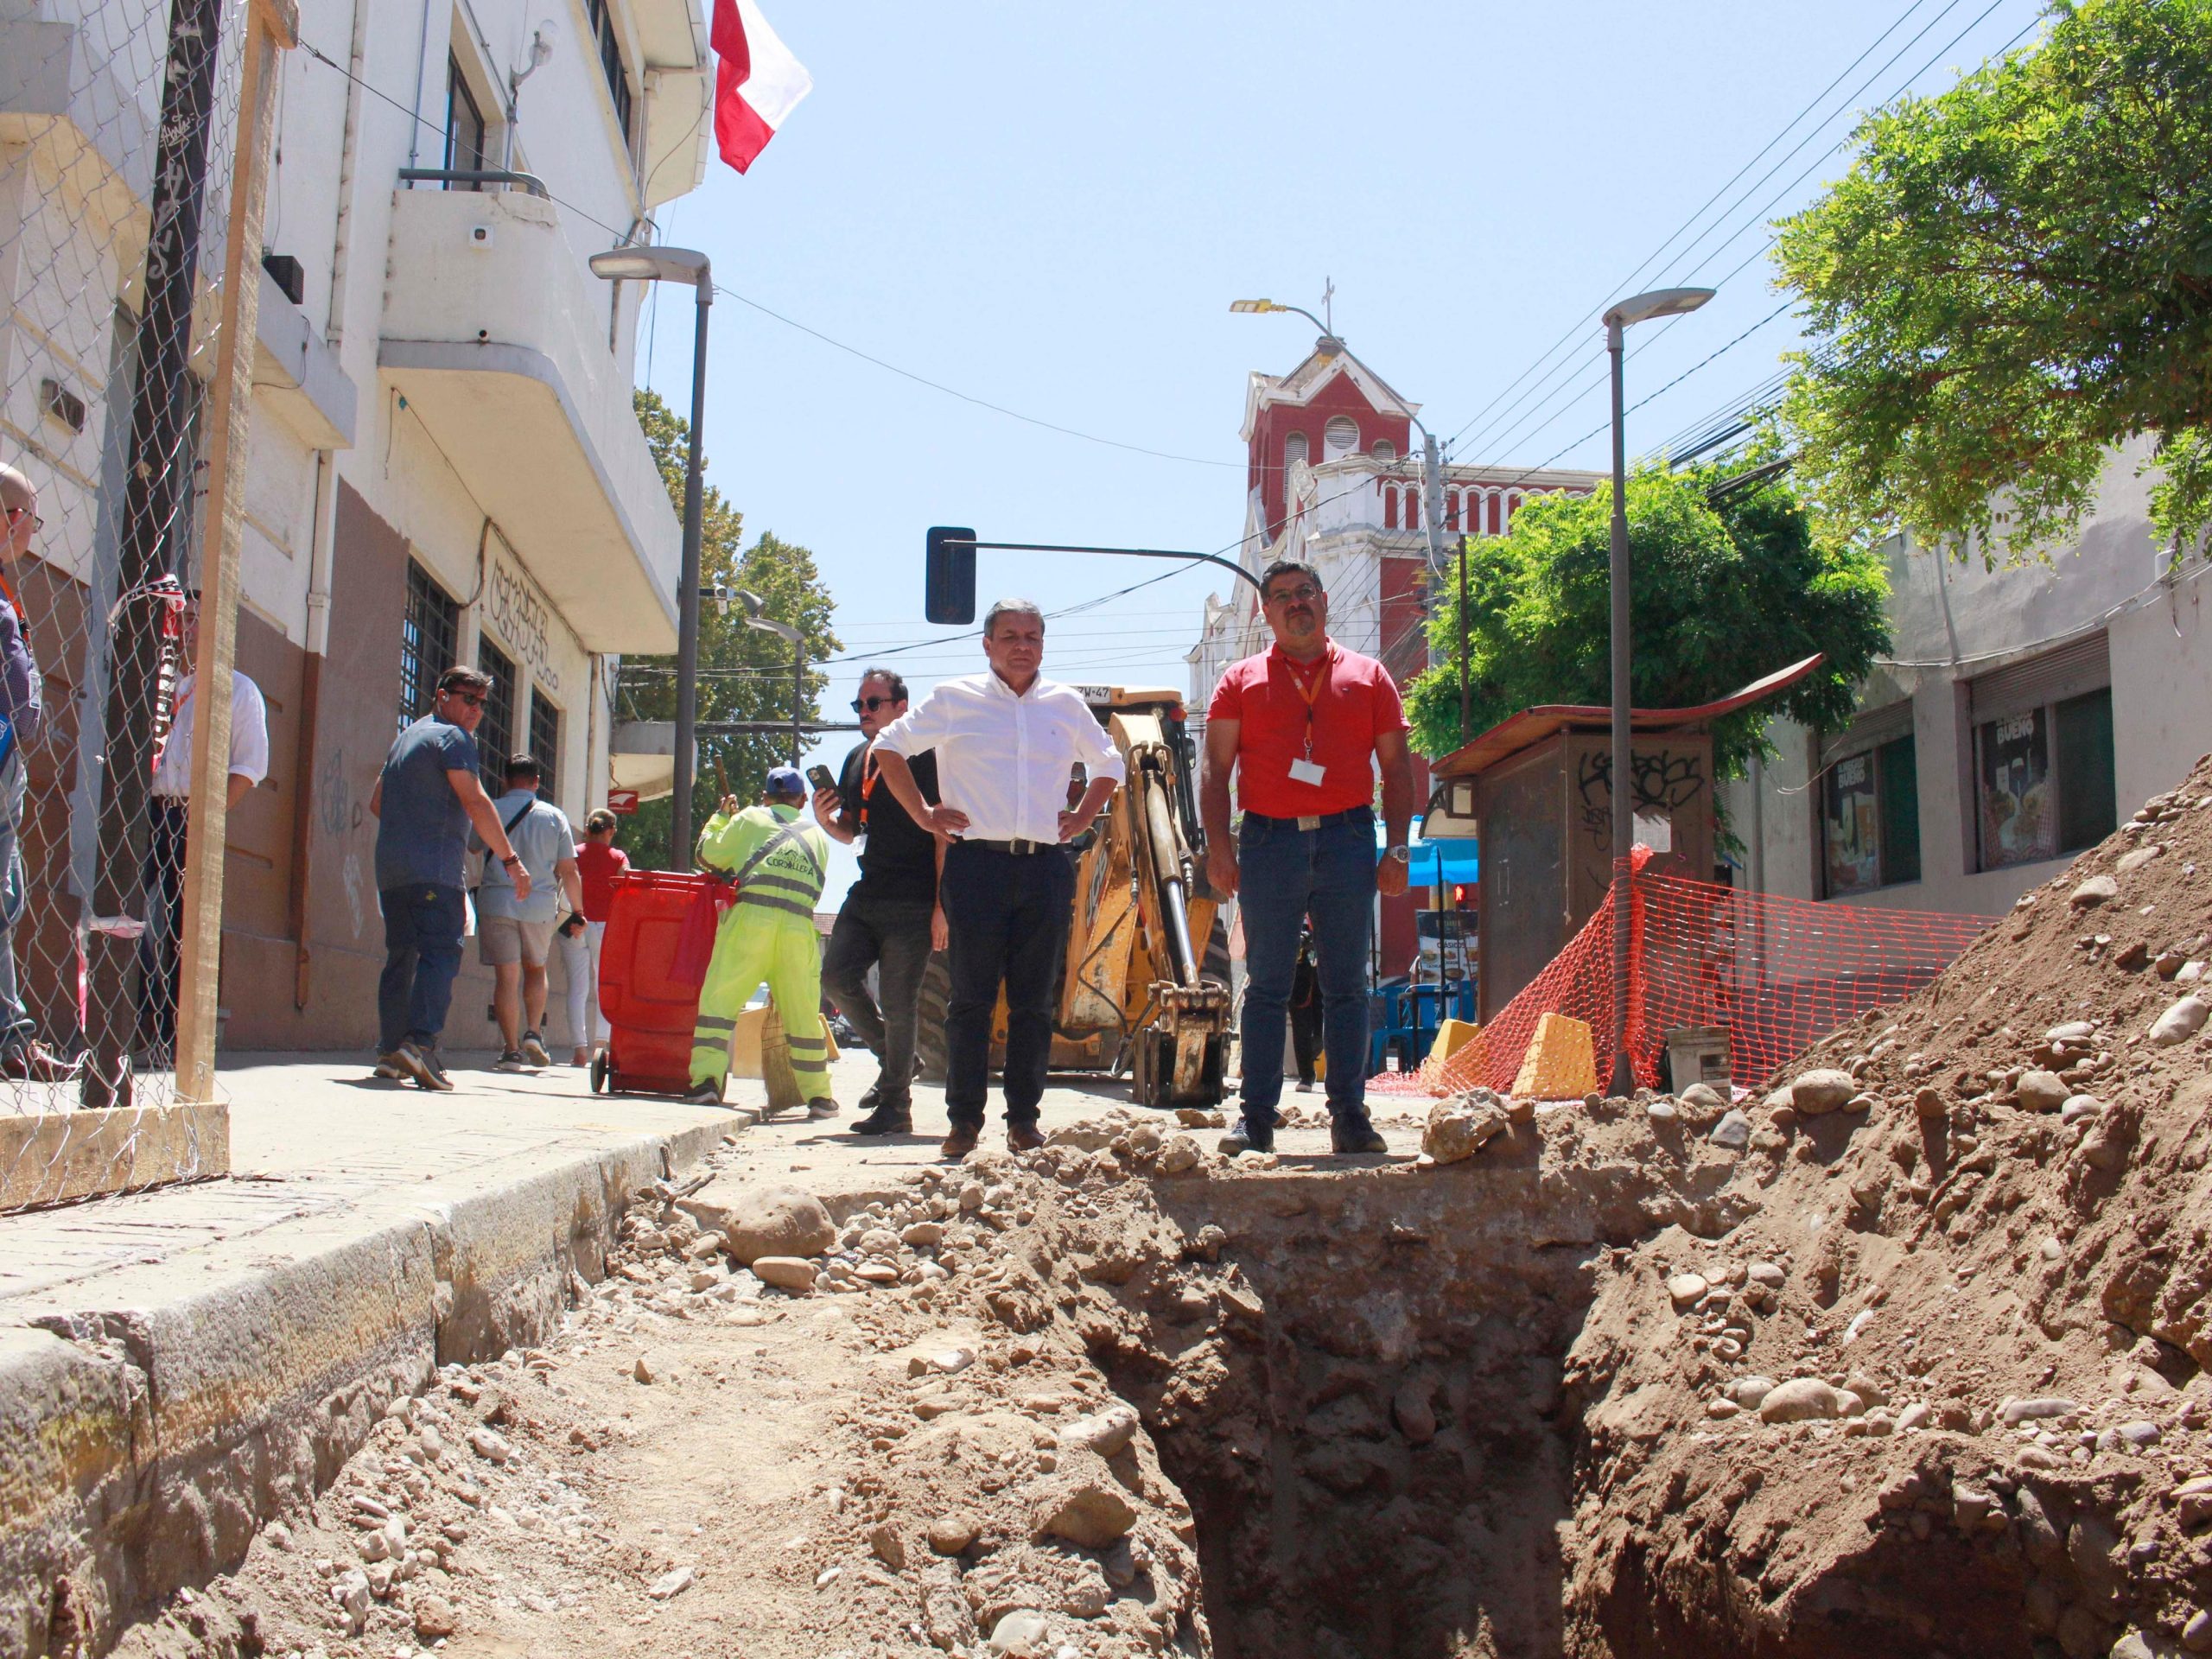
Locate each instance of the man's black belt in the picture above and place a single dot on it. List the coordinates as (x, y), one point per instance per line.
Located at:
(1316, 820)
(1017, 847)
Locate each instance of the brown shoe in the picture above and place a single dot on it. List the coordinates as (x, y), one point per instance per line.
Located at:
(1023, 1137)
(33, 1062)
(959, 1143)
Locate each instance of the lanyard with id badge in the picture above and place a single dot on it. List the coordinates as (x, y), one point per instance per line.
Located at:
(1303, 770)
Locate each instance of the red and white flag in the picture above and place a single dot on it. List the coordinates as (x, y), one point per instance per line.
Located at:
(756, 82)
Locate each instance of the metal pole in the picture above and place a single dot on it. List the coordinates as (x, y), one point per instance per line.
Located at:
(1466, 687)
(686, 595)
(798, 697)
(1623, 1079)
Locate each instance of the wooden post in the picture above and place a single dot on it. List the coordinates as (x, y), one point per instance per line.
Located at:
(274, 27)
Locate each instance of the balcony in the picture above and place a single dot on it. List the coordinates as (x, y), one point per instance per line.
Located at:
(495, 335)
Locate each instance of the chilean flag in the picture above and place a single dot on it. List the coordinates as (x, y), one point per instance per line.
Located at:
(757, 83)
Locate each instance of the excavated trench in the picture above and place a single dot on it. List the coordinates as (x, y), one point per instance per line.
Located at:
(1356, 1381)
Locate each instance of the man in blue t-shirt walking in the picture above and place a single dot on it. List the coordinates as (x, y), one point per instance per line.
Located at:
(426, 800)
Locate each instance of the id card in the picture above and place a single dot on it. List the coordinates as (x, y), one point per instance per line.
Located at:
(1304, 771)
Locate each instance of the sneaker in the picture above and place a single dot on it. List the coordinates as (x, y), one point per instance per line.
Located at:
(430, 1058)
(1245, 1138)
(1355, 1135)
(32, 1061)
(707, 1091)
(510, 1060)
(533, 1049)
(1304, 1088)
(415, 1062)
(960, 1142)
(388, 1067)
(1023, 1137)
(885, 1120)
(821, 1107)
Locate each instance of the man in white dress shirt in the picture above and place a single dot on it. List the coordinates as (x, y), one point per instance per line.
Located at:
(1005, 742)
(158, 945)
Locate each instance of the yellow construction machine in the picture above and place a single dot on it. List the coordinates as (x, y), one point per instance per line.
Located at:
(1144, 988)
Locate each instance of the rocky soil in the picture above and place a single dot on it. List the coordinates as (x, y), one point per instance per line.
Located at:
(1907, 1354)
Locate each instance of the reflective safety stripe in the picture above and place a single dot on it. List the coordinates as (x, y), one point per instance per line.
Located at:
(709, 1022)
(788, 883)
(808, 1043)
(769, 901)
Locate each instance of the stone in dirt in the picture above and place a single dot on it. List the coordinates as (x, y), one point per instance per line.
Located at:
(1751, 1392)
(1181, 1153)
(1021, 1634)
(1802, 1399)
(952, 1532)
(1106, 1434)
(924, 1234)
(1929, 1103)
(889, 1548)
(2182, 1021)
(435, 1618)
(947, 1619)
(490, 1445)
(2041, 1091)
(785, 1271)
(645, 1370)
(1822, 1090)
(1459, 1127)
(1087, 1513)
(1732, 1133)
(1413, 1408)
(1703, 1097)
(1685, 1288)
(2023, 1411)
(2097, 890)
(756, 1221)
(673, 1583)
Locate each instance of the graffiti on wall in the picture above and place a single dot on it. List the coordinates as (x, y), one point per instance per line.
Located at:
(1665, 782)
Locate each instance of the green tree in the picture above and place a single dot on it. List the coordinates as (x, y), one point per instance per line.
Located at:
(1720, 597)
(2014, 277)
(744, 673)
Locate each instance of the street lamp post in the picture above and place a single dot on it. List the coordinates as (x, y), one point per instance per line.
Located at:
(791, 636)
(1660, 302)
(685, 265)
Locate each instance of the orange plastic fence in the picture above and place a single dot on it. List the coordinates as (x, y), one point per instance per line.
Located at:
(1779, 974)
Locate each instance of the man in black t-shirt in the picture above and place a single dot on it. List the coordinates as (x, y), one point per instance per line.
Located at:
(889, 916)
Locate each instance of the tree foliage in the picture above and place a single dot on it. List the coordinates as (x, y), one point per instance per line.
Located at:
(744, 673)
(1719, 598)
(2014, 277)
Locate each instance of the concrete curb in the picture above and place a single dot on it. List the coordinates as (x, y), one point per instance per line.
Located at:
(150, 1428)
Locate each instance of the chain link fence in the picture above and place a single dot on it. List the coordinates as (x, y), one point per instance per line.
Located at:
(119, 125)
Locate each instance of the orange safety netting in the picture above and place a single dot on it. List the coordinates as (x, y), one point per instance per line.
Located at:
(1776, 974)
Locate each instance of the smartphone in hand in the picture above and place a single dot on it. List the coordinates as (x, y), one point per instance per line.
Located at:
(818, 775)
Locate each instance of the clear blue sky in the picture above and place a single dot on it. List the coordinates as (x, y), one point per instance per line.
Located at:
(1050, 207)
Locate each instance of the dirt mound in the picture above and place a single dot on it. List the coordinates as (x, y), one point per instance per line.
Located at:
(1982, 1240)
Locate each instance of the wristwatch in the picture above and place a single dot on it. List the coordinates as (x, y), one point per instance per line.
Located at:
(1404, 855)
(510, 860)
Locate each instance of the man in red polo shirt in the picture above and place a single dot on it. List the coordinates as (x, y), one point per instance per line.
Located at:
(1303, 725)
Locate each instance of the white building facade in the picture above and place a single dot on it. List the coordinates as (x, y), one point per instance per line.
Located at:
(444, 466)
(2025, 711)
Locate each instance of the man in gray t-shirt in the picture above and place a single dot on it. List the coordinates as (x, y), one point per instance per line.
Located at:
(514, 929)
(426, 797)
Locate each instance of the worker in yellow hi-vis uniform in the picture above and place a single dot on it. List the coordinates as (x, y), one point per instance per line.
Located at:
(768, 934)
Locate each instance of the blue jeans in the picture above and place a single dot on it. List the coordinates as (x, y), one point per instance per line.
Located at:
(1288, 874)
(15, 1025)
(1008, 914)
(421, 954)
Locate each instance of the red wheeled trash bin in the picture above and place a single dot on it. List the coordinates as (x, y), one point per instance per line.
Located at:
(650, 1014)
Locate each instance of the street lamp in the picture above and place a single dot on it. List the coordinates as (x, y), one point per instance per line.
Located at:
(783, 630)
(1660, 302)
(687, 265)
(1432, 488)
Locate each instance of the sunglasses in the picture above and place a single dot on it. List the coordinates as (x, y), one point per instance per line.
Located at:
(474, 699)
(37, 523)
(870, 705)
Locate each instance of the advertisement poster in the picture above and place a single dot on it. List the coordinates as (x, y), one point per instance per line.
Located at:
(2017, 824)
(1853, 827)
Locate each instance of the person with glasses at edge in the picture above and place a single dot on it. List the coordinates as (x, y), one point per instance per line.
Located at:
(23, 714)
(426, 800)
(890, 920)
(1303, 726)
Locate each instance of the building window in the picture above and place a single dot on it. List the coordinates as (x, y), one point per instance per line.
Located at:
(464, 126)
(1384, 450)
(1339, 437)
(610, 60)
(1870, 818)
(1293, 451)
(429, 629)
(2044, 756)
(495, 736)
(545, 741)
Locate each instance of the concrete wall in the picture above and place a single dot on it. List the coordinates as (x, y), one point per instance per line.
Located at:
(1956, 619)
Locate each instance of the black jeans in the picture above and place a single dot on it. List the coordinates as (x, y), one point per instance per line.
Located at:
(891, 935)
(421, 954)
(1008, 915)
(158, 945)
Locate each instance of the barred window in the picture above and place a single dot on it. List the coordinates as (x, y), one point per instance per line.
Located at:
(428, 631)
(495, 736)
(610, 60)
(465, 131)
(545, 741)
